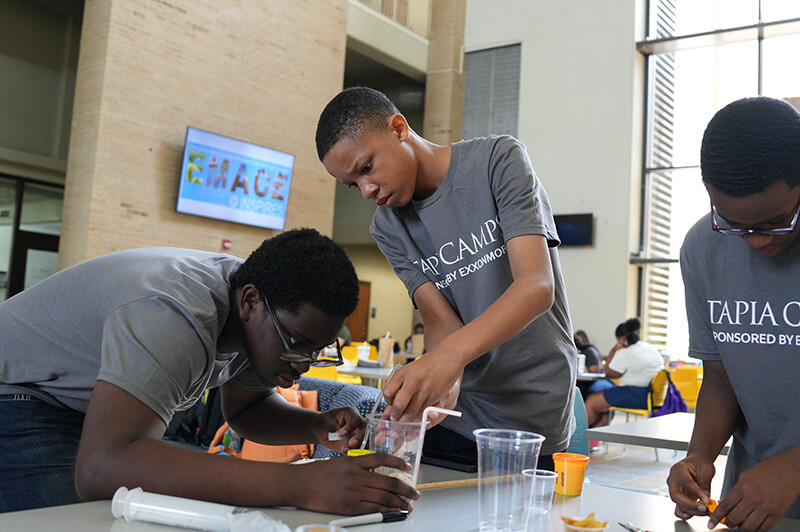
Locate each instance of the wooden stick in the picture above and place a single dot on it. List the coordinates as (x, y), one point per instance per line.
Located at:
(464, 482)
(447, 484)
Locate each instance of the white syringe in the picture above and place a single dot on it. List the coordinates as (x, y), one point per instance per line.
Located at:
(138, 505)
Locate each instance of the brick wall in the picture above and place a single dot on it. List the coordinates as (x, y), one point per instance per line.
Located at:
(255, 70)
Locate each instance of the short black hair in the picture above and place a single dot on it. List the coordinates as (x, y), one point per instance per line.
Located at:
(349, 114)
(301, 266)
(629, 329)
(751, 144)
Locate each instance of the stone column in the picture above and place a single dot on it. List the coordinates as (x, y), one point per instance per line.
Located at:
(444, 85)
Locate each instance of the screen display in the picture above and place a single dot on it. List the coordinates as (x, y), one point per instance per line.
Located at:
(575, 229)
(228, 179)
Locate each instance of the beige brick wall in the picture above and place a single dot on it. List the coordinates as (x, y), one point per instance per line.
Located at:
(444, 84)
(255, 70)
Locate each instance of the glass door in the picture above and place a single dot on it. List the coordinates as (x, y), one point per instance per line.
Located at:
(34, 255)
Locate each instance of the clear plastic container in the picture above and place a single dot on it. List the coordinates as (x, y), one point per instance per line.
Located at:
(138, 505)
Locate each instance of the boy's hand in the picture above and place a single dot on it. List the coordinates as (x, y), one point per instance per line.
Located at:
(347, 422)
(688, 481)
(761, 496)
(346, 485)
(433, 380)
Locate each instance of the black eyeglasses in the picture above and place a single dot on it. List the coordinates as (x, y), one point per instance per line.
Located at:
(747, 231)
(313, 358)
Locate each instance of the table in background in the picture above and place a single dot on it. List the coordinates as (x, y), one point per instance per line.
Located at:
(370, 376)
(403, 357)
(452, 508)
(672, 431)
(588, 377)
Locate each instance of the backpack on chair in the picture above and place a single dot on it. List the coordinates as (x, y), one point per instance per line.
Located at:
(673, 401)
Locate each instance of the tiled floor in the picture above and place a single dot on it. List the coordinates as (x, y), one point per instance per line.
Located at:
(635, 467)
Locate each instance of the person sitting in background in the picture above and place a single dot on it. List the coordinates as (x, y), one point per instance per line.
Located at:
(418, 329)
(634, 363)
(593, 362)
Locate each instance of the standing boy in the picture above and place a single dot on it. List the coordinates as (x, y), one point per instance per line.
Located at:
(95, 360)
(468, 229)
(741, 270)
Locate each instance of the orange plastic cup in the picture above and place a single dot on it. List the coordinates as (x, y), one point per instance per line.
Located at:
(571, 468)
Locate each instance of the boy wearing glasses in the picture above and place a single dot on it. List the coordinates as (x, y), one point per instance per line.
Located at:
(468, 229)
(741, 270)
(96, 359)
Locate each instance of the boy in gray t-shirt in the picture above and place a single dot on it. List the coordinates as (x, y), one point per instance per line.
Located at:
(741, 269)
(468, 229)
(96, 359)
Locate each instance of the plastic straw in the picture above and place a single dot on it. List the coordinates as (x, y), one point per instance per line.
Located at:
(425, 414)
(375, 406)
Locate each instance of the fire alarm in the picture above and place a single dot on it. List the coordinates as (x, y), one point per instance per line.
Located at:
(226, 243)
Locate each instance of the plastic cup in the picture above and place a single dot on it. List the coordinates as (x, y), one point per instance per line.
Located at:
(502, 457)
(400, 439)
(581, 363)
(540, 485)
(571, 468)
(363, 352)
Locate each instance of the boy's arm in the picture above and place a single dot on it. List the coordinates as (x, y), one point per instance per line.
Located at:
(612, 373)
(266, 417)
(715, 420)
(762, 494)
(440, 321)
(431, 379)
(121, 446)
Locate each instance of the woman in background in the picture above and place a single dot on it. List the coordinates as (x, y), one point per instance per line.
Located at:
(633, 363)
(594, 363)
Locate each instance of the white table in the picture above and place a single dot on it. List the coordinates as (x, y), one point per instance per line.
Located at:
(446, 509)
(407, 356)
(672, 431)
(588, 377)
(371, 375)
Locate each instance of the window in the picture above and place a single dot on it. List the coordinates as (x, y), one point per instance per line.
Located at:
(8, 204)
(491, 92)
(30, 227)
(700, 56)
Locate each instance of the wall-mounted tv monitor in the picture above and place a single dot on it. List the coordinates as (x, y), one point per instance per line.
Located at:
(575, 229)
(232, 180)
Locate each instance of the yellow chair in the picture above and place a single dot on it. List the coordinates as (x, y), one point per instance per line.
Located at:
(329, 373)
(655, 397)
(332, 374)
(350, 353)
(687, 379)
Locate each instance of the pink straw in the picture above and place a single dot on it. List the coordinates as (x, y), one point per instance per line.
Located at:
(422, 434)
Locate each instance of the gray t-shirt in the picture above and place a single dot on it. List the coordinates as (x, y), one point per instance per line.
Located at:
(744, 309)
(457, 239)
(146, 320)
